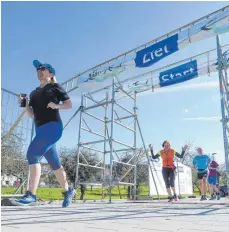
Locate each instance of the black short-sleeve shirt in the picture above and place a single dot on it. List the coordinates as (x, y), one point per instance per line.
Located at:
(41, 97)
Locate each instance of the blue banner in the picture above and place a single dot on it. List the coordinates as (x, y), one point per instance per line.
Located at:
(156, 52)
(179, 74)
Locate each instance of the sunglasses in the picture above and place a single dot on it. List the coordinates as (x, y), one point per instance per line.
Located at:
(41, 68)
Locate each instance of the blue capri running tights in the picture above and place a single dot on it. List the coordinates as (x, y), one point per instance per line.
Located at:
(44, 144)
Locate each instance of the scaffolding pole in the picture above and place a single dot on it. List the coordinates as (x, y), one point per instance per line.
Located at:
(111, 137)
(135, 145)
(105, 144)
(78, 147)
(148, 161)
(224, 102)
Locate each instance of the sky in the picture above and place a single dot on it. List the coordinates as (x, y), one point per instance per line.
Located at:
(75, 36)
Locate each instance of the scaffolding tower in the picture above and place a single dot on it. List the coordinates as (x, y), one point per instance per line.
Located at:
(109, 113)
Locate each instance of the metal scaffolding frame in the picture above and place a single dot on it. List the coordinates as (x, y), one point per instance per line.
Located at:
(223, 64)
(110, 120)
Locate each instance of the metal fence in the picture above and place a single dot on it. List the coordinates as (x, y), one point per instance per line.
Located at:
(15, 139)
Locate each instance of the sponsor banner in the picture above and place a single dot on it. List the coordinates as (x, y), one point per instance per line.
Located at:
(100, 74)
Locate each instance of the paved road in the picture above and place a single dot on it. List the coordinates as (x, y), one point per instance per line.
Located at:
(119, 216)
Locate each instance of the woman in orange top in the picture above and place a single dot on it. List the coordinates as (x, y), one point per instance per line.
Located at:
(168, 168)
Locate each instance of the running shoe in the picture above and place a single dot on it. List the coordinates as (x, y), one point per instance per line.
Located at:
(170, 199)
(175, 197)
(68, 195)
(27, 199)
(212, 198)
(202, 198)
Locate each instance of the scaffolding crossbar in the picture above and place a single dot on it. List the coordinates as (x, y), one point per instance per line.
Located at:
(93, 149)
(95, 133)
(94, 142)
(116, 141)
(91, 166)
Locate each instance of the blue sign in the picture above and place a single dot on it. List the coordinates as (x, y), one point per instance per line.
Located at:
(179, 74)
(156, 52)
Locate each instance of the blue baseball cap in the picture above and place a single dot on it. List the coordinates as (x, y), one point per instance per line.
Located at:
(37, 64)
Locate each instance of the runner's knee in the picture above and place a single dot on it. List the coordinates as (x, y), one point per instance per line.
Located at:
(172, 183)
(167, 184)
(32, 156)
(32, 159)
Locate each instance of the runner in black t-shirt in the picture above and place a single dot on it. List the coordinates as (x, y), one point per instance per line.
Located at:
(44, 108)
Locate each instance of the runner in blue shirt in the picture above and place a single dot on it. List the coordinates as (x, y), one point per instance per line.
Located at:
(200, 163)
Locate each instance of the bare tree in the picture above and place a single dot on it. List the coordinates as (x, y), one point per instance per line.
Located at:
(13, 160)
(125, 173)
(69, 158)
(223, 175)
